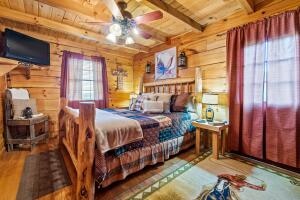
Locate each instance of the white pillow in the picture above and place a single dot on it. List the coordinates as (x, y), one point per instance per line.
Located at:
(166, 98)
(153, 106)
(149, 96)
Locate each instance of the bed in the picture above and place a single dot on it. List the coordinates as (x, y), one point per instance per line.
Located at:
(99, 163)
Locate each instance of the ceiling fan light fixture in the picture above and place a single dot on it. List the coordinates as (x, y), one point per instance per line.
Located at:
(111, 37)
(115, 29)
(129, 40)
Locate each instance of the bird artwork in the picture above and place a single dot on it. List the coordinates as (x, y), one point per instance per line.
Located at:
(165, 64)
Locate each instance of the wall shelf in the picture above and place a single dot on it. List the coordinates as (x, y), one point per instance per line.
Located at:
(6, 65)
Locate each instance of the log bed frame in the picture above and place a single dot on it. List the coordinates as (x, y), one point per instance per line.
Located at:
(77, 134)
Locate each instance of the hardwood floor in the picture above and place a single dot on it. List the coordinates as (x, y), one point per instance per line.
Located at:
(11, 167)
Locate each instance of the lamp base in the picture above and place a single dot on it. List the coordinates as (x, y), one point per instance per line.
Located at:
(209, 114)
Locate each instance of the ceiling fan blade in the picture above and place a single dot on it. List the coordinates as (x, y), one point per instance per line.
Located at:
(149, 17)
(113, 7)
(144, 34)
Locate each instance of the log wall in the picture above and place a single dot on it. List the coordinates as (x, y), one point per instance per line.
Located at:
(207, 50)
(44, 84)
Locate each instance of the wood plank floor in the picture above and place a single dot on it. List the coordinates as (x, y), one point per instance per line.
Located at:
(11, 167)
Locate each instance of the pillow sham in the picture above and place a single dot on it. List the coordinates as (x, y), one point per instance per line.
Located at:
(132, 104)
(166, 98)
(149, 96)
(138, 103)
(181, 102)
(153, 106)
(172, 102)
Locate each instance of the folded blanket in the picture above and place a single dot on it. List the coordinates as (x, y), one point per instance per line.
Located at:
(19, 93)
(113, 131)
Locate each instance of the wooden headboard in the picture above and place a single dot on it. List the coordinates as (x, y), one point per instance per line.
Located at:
(175, 86)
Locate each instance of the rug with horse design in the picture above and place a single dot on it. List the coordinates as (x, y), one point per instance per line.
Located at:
(229, 178)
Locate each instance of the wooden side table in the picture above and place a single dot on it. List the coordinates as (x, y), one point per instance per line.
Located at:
(218, 133)
(33, 138)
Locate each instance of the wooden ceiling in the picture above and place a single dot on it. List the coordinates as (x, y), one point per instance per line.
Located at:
(66, 18)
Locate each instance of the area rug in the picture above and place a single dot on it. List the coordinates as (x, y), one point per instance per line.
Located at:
(228, 178)
(43, 173)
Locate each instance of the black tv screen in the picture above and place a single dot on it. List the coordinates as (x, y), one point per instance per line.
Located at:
(25, 48)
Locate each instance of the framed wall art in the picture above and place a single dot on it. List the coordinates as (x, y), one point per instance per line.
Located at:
(166, 64)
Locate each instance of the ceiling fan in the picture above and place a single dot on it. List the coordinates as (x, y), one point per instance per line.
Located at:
(123, 25)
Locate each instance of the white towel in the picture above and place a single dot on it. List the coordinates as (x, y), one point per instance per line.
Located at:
(19, 93)
(37, 115)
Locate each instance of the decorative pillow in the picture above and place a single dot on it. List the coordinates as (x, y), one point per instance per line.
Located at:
(20, 104)
(172, 102)
(181, 102)
(132, 104)
(153, 106)
(138, 103)
(166, 98)
(149, 96)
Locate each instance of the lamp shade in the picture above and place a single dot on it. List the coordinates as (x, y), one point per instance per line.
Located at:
(211, 99)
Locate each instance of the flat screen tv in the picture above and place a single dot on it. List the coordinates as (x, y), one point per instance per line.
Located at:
(25, 48)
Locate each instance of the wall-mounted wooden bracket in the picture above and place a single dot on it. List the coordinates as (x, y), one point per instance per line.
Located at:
(27, 68)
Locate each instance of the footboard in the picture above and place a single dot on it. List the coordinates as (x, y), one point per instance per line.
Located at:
(77, 134)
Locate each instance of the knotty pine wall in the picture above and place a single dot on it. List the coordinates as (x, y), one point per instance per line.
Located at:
(207, 50)
(44, 84)
(210, 55)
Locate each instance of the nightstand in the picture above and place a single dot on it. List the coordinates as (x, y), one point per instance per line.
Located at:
(218, 137)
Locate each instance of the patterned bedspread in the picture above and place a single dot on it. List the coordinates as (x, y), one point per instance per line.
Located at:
(156, 128)
(164, 135)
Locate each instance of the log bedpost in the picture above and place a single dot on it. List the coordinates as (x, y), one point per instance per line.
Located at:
(61, 121)
(85, 181)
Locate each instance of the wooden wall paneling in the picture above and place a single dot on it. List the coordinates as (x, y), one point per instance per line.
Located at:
(17, 5)
(44, 84)
(207, 50)
(66, 44)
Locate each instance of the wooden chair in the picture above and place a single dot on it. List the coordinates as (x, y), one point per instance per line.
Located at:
(23, 131)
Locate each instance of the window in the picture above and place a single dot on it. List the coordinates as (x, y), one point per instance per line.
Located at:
(268, 72)
(85, 79)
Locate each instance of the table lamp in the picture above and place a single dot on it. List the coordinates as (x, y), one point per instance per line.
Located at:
(210, 99)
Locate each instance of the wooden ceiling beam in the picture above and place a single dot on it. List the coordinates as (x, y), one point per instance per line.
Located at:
(57, 26)
(175, 13)
(248, 5)
(156, 34)
(97, 12)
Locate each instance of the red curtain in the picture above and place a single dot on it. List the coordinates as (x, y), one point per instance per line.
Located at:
(72, 75)
(263, 69)
(283, 89)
